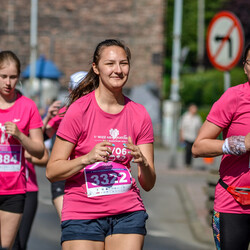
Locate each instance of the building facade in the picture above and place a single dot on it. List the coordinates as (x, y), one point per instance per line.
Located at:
(68, 32)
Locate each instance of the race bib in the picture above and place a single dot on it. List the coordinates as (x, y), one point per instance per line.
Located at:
(107, 178)
(10, 158)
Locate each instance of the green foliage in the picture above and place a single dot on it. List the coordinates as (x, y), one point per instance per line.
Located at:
(212, 7)
(203, 112)
(204, 88)
(238, 76)
(166, 78)
(189, 30)
(189, 26)
(166, 87)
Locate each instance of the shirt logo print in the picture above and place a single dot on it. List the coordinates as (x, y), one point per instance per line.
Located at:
(114, 133)
(16, 120)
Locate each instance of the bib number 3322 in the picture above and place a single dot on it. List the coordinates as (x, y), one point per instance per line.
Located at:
(107, 178)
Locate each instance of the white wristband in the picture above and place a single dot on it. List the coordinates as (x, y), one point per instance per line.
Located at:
(234, 145)
(225, 148)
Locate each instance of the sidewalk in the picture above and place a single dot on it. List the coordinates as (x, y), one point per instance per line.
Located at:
(191, 185)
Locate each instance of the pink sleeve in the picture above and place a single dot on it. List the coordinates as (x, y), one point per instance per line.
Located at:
(222, 112)
(55, 121)
(35, 118)
(70, 126)
(146, 133)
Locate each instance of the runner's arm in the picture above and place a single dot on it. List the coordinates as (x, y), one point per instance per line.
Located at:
(38, 162)
(143, 156)
(206, 143)
(32, 143)
(60, 168)
(146, 169)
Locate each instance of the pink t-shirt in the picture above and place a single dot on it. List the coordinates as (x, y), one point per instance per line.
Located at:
(56, 120)
(32, 185)
(12, 162)
(232, 113)
(85, 125)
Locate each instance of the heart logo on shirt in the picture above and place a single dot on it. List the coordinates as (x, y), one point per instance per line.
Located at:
(114, 133)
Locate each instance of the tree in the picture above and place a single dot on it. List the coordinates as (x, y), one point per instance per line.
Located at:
(241, 9)
(189, 35)
(201, 88)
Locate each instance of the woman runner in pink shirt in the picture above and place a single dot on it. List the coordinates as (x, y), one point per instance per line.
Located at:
(20, 130)
(102, 132)
(31, 199)
(231, 116)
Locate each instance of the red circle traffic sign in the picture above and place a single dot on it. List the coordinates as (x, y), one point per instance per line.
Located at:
(225, 40)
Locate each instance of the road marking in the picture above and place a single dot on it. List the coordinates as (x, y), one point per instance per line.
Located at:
(159, 233)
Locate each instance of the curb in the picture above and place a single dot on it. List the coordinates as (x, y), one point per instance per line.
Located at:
(196, 227)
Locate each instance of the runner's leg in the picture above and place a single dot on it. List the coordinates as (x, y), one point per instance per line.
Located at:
(124, 242)
(231, 231)
(83, 245)
(9, 224)
(29, 212)
(58, 203)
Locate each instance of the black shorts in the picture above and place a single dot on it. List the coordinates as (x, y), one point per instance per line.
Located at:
(12, 203)
(57, 189)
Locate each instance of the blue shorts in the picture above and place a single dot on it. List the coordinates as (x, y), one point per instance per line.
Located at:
(99, 229)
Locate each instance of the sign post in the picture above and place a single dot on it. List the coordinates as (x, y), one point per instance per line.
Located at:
(225, 43)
